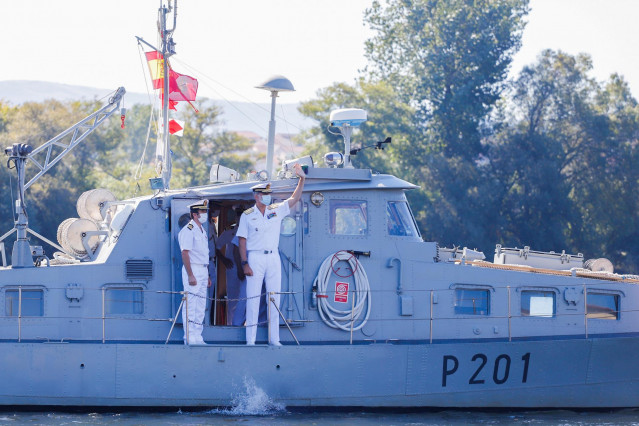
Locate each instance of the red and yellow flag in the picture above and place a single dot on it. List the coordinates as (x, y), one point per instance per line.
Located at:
(181, 87)
(156, 68)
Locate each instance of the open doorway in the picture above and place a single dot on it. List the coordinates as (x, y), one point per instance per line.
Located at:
(224, 217)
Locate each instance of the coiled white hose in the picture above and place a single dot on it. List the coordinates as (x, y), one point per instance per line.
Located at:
(341, 319)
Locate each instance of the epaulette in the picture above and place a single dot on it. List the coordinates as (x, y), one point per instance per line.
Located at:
(274, 206)
(190, 226)
(249, 211)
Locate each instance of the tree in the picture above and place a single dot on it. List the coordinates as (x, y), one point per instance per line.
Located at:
(563, 161)
(202, 145)
(449, 60)
(107, 159)
(387, 116)
(605, 194)
(52, 197)
(446, 62)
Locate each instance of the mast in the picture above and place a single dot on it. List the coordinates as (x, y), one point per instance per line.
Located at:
(168, 49)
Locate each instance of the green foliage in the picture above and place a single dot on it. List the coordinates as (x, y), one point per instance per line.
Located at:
(447, 61)
(202, 146)
(48, 199)
(546, 160)
(564, 158)
(381, 102)
(111, 157)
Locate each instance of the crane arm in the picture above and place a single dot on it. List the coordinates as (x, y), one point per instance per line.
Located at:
(79, 132)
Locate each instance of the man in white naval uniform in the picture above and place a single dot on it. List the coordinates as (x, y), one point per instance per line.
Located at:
(259, 239)
(194, 245)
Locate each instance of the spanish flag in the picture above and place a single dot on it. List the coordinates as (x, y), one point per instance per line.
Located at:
(181, 87)
(156, 68)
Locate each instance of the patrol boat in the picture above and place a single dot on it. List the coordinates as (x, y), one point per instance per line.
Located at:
(371, 314)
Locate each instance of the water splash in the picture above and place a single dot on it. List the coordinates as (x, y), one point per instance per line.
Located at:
(252, 401)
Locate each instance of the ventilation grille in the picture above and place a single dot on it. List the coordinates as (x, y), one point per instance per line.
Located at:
(139, 269)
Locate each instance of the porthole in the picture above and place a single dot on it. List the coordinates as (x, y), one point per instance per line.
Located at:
(317, 198)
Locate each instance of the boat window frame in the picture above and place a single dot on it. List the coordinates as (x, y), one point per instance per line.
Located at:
(553, 290)
(473, 287)
(26, 288)
(616, 294)
(405, 202)
(352, 200)
(125, 286)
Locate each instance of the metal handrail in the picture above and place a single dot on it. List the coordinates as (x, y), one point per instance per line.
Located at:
(272, 299)
(103, 315)
(20, 314)
(431, 319)
(510, 336)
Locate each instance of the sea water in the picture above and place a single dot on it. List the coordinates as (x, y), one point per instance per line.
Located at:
(253, 406)
(335, 417)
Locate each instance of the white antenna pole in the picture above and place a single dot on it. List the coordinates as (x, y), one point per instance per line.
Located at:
(347, 130)
(274, 84)
(345, 120)
(167, 51)
(271, 136)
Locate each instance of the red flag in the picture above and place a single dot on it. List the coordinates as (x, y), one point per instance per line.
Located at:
(181, 87)
(176, 127)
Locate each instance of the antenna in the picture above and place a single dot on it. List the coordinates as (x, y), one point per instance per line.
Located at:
(376, 145)
(345, 120)
(168, 50)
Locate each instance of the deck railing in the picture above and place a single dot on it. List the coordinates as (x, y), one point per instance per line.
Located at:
(430, 315)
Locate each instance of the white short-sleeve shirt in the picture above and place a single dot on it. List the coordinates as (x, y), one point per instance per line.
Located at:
(195, 240)
(262, 232)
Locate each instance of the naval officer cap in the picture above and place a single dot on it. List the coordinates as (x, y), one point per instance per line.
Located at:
(262, 188)
(199, 205)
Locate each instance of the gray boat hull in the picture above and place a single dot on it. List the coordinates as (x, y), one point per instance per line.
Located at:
(595, 372)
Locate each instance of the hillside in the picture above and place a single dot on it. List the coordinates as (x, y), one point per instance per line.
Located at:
(238, 116)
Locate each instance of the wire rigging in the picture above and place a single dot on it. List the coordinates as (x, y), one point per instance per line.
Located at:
(153, 100)
(288, 132)
(205, 77)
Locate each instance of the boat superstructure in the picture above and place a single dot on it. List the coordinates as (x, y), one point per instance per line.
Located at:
(371, 314)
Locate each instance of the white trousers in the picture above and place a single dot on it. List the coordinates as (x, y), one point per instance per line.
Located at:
(195, 304)
(267, 268)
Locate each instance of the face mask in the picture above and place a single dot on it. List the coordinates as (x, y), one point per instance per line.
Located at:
(202, 218)
(266, 199)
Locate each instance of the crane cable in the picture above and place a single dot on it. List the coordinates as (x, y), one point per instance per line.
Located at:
(337, 318)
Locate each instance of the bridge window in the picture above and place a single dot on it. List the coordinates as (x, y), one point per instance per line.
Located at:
(348, 217)
(399, 219)
(124, 301)
(472, 302)
(536, 303)
(602, 306)
(32, 303)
